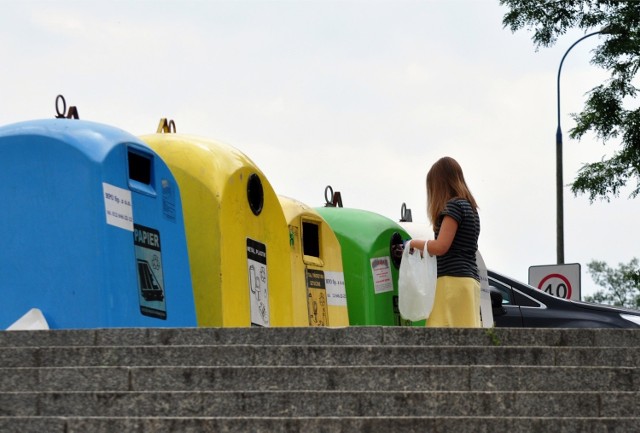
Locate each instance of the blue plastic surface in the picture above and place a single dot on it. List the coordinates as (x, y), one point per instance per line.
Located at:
(91, 229)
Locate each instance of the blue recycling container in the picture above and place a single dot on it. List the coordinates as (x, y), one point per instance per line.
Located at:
(91, 229)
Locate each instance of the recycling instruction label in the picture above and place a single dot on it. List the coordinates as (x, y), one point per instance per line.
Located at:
(148, 252)
(317, 298)
(258, 282)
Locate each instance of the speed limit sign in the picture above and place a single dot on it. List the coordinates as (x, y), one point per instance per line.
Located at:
(562, 281)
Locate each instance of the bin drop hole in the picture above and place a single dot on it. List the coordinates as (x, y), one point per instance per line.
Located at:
(139, 168)
(310, 240)
(255, 194)
(396, 239)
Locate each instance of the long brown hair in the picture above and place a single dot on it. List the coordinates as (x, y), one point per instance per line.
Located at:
(445, 181)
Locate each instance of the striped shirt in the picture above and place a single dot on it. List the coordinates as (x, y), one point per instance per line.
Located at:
(460, 260)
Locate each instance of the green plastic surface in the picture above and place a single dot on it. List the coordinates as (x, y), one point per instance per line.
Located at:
(365, 240)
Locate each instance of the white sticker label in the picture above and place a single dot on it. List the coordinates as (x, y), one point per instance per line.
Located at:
(334, 283)
(381, 269)
(117, 205)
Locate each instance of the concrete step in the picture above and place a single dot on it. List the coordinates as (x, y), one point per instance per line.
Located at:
(240, 355)
(325, 424)
(251, 404)
(354, 335)
(325, 355)
(319, 379)
(327, 378)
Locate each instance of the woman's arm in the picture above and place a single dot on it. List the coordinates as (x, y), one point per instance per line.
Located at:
(440, 246)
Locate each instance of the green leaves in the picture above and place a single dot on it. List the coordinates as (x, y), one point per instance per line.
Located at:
(610, 111)
(621, 287)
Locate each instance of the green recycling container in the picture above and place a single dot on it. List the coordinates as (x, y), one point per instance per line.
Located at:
(370, 270)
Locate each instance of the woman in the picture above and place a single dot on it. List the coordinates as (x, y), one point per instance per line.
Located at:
(453, 212)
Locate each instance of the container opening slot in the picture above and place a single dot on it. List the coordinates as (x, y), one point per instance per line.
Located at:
(310, 239)
(255, 194)
(139, 168)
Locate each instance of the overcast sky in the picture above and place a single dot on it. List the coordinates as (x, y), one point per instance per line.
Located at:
(360, 95)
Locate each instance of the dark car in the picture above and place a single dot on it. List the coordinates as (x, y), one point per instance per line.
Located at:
(516, 304)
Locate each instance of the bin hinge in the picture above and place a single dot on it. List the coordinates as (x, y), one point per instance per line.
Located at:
(405, 214)
(333, 199)
(166, 126)
(64, 114)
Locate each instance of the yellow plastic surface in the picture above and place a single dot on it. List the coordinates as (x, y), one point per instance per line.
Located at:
(218, 221)
(315, 274)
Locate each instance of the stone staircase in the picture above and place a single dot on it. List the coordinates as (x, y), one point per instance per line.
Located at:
(365, 379)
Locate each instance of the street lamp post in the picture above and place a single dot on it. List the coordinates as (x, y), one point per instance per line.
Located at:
(559, 186)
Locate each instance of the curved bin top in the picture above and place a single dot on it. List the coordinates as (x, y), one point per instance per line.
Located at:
(360, 227)
(94, 139)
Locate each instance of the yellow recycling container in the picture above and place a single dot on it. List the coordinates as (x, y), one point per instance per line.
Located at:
(237, 234)
(316, 267)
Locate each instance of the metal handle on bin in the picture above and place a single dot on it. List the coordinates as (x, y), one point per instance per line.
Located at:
(71, 114)
(405, 214)
(332, 199)
(166, 126)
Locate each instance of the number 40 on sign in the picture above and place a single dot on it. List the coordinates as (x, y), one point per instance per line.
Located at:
(562, 281)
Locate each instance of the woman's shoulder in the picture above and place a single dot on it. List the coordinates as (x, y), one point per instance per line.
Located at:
(455, 209)
(459, 202)
(459, 205)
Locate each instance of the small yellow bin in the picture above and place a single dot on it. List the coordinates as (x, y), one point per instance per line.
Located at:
(237, 234)
(316, 268)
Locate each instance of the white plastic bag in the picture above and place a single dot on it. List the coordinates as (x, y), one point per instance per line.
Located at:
(416, 284)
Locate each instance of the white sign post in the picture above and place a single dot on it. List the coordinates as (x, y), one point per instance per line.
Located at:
(562, 281)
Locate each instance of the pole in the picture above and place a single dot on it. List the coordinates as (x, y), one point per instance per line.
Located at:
(559, 185)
